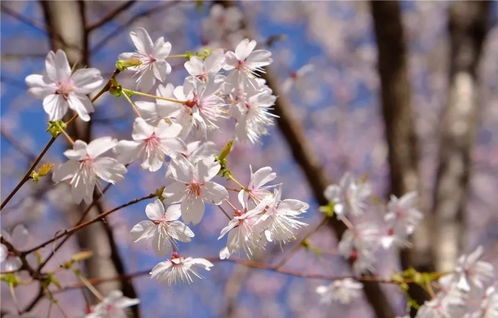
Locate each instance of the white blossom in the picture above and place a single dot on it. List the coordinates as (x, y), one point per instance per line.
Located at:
(162, 228)
(61, 89)
(203, 106)
(359, 245)
(115, 305)
(343, 291)
(221, 21)
(349, 196)
(151, 56)
(243, 232)
(202, 69)
(19, 238)
(86, 163)
(179, 269)
(401, 219)
(471, 274)
(279, 217)
(257, 184)
(245, 61)
(150, 144)
(253, 114)
(192, 187)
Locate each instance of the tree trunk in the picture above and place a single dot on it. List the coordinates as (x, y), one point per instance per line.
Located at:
(65, 22)
(467, 29)
(399, 126)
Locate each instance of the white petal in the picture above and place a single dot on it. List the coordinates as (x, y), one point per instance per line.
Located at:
(141, 130)
(109, 169)
(173, 212)
(57, 66)
(143, 230)
(215, 192)
(141, 40)
(65, 171)
(55, 106)
(86, 80)
(101, 145)
(192, 210)
(155, 210)
(81, 105)
(128, 151)
(180, 231)
(244, 48)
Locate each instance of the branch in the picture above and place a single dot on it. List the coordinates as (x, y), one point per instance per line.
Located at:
(85, 224)
(111, 15)
(28, 173)
(130, 21)
(247, 263)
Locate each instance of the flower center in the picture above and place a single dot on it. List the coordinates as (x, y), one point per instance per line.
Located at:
(64, 88)
(87, 161)
(152, 141)
(195, 188)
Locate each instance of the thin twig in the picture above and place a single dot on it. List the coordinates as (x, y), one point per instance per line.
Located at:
(110, 16)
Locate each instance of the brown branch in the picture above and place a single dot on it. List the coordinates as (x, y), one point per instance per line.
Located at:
(122, 28)
(85, 224)
(27, 175)
(247, 263)
(111, 15)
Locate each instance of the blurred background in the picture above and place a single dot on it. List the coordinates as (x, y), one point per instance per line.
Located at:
(404, 94)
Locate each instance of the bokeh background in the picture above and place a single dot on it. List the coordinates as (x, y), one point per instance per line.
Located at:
(326, 75)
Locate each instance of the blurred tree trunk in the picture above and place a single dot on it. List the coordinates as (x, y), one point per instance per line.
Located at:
(66, 22)
(467, 29)
(399, 126)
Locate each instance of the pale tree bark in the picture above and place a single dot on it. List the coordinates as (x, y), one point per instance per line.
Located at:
(66, 23)
(467, 29)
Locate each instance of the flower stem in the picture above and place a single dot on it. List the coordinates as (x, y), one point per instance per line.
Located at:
(63, 131)
(132, 92)
(133, 106)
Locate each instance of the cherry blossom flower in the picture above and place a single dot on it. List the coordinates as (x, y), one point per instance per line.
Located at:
(245, 61)
(343, 291)
(348, 197)
(444, 305)
(162, 228)
(359, 245)
(489, 305)
(86, 163)
(203, 106)
(61, 90)
(471, 274)
(192, 187)
(201, 69)
(151, 56)
(221, 21)
(279, 217)
(295, 78)
(401, 219)
(159, 110)
(198, 150)
(19, 238)
(115, 305)
(257, 184)
(150, 144)
(179, 269)
(243, 232)
(253, 114)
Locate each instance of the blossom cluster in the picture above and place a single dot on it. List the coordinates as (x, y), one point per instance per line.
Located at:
(469, 291)
(174, 130)
(350, 201)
